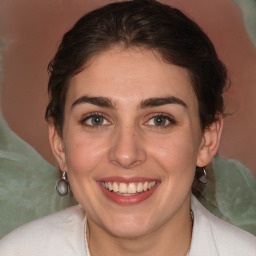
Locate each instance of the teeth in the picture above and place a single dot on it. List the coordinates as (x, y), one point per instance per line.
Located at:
(151, 184)
(130, 188)
(140, 187)
(146, 186)
(123, 188)
(109, 186)
(115, 187)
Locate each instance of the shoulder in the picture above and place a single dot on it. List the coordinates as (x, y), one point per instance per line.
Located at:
(48, 235)
(215, 235)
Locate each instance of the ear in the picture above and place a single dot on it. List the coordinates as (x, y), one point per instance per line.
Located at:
(57, 147)
(210, 142)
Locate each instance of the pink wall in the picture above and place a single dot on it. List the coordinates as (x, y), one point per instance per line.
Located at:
(33, 30)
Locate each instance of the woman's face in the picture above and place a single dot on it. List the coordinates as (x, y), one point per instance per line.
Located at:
(131, 141)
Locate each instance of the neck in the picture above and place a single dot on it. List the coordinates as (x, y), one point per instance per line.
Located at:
(173, 236)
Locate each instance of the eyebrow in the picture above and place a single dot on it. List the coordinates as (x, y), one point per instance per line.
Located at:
(156, 102)
(147, 103)
(98, 101)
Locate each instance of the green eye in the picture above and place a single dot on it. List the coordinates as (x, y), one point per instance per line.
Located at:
(160, 120)
(95, 120)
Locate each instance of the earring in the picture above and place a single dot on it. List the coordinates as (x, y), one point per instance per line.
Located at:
(62, 185)
(203, 178)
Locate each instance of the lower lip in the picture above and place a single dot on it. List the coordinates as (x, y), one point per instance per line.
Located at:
(128, 200)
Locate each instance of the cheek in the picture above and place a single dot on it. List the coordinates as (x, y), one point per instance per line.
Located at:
(84, 153)
(84, 158)
(176, 154)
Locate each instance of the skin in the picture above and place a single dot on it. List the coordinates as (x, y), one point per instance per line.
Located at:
(129, 143)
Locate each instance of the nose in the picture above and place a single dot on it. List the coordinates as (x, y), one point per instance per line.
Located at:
(127, 149)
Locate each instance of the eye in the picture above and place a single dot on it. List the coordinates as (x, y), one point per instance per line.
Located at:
(95, 120)
(160, 121)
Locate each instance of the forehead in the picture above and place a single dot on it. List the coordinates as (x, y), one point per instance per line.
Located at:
(131, 74)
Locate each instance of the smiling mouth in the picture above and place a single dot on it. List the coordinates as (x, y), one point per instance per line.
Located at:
(128, 189)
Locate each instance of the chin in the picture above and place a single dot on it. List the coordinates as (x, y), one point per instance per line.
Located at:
(128, 231)
(128, 226)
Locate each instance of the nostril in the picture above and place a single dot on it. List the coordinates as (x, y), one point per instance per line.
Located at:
(127, 164)
(135, 163)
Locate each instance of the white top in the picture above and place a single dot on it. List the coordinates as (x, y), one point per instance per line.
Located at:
(64, 233)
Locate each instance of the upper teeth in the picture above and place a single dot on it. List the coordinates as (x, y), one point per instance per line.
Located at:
(128, 188)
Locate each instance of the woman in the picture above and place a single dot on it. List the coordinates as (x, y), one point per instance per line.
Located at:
(135, 108)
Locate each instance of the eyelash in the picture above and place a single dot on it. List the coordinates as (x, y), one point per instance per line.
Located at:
(94, 115)
(168, 118)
